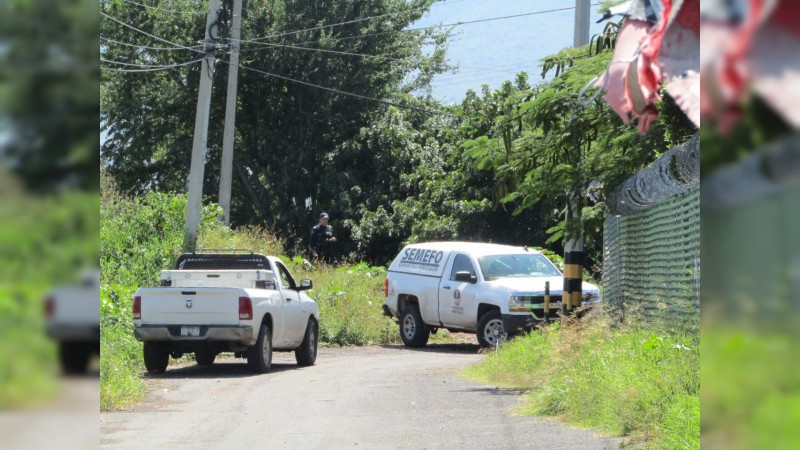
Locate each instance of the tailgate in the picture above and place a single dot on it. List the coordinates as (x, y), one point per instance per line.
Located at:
(190, 306)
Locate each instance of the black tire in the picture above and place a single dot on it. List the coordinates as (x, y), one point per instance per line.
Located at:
(488, 332)
(74, 357)
(259, 356)
(156, 357)
(306, 354)
(413, 330)
(204, 357)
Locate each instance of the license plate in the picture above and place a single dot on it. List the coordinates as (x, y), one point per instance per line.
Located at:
(190, 331)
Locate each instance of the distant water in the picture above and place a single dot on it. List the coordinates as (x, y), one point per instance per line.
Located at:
(501, 48)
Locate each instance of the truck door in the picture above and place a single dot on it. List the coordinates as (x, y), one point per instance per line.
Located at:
(294, 325)
(457, 300)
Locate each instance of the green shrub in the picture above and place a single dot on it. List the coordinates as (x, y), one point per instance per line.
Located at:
(350, 300)
(140, 237)
(629, 381)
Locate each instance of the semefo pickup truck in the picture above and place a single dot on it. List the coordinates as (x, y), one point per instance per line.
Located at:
(492, 290)
(245, 303)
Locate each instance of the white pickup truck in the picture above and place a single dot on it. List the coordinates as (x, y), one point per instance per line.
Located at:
(73, 320)
(492, 290)
(245, 303)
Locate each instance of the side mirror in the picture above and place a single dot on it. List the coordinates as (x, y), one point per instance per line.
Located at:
(305, 284)
(466, 277)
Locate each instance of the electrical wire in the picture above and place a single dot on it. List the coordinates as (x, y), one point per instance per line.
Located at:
(147, 47)
(337, 91)
(363, 19)
(154, 69)
(171, 11)
(349, 94)
(148, 34)
(454, 24)
(266, 45)
(163, 66)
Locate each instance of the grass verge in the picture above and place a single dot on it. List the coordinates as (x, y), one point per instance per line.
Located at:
(121, 367)
(627, 381)
(350, 299)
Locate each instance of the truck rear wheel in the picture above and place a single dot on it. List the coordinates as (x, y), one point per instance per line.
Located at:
(259, 356)
(156, 357)
(204, 358)
(490, 329)
(74, 357)
(413, 330)
(306, 354)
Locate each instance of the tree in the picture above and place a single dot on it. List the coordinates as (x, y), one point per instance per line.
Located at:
(549, 143)
(287, 133)
(48, 93)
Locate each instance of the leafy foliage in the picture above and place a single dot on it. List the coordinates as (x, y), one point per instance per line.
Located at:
(548, 143)
(48, 93)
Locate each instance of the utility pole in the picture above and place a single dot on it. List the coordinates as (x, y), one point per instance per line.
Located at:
(574, 254)
(197, 170)
(581, 34)
(226, 171)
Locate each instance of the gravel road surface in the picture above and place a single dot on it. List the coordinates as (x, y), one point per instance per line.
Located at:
(362, 397)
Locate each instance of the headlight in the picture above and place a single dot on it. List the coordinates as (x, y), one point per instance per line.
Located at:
(516, 302)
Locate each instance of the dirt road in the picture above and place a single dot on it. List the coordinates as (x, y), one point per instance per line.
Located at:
(368, 398)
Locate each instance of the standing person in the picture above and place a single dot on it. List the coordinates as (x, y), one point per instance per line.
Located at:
(322, 240)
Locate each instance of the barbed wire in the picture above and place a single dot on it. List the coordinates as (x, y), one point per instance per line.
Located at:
(772, 169)
(674, 172)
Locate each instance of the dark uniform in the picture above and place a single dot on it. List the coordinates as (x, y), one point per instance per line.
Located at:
(319, 242)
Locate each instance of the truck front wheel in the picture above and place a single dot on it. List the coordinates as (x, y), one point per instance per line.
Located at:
(413, 330)
(490, 329)
(156, 357)
(259, 356)
(306, 354)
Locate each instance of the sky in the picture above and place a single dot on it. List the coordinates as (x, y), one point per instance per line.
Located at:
(495, 51)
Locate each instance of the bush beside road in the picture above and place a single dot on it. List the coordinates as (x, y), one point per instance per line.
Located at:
(627, 380)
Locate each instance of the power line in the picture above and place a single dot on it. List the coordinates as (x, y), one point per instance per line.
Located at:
(148, 34)
(147, 47)
(267, 45)
(363, 19)
(454, 24)
(349, 94)
(163, 66)
(155, 69)
(171, 11)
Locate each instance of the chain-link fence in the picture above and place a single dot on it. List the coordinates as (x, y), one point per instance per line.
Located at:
(651, 239)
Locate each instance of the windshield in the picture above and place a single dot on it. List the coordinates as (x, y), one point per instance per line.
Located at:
(523, 265)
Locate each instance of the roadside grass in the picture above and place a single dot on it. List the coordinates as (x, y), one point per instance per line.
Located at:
(121, 366)
(627, 380)
(751, 383)
(441, 337)
(350, 300)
